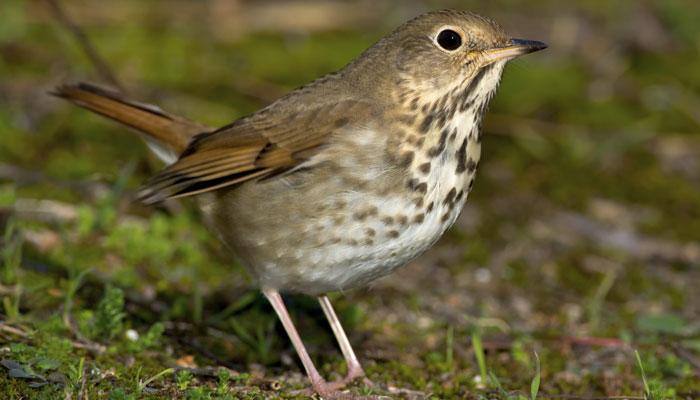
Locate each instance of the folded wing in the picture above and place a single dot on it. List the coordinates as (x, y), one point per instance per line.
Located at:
(275, 139)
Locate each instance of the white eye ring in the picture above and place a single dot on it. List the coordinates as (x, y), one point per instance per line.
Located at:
(449, 39)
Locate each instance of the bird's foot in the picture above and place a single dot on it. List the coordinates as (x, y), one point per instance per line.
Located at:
(332, 390)
(355, 372)
(327, 390)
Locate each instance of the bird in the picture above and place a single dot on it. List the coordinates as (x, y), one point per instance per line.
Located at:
(342, 180)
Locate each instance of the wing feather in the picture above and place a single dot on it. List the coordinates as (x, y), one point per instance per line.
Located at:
(275, 139)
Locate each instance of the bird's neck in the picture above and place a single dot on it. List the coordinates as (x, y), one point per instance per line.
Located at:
(439, 143)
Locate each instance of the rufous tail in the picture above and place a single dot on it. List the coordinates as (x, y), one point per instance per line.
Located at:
(159, 127)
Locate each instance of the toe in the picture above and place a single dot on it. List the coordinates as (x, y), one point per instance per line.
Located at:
(354, 373)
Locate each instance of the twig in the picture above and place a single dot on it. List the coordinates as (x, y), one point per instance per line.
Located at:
(13, 330)
(81, 341)
(412, 394)
(92, 347)
(97, 61)
(44, 210)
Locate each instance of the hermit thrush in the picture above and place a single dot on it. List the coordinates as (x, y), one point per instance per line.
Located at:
(342, 180)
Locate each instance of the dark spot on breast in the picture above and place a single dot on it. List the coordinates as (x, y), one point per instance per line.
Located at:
(393, 234)
(465, 105)
(402, 219)
(406, 159)
(451, 206)
(417, 186)
(388, 221)
(353, 242)
(471, 165)
(476, 80)
(370, 232)
(337, 220)
(453, 108)
(434, 107)
(459, 195)
(363, 214)
(450, 196)
(418, 219)
(369, 242)
(461, 157)
(436, 150)
(427, 123)
(418, 202)
(424, 168)
(453, 136)
(414, 104)
(430, 207)
(443, 102)
(445, 217)
(441, 118)
(420, 142)
(360, 215)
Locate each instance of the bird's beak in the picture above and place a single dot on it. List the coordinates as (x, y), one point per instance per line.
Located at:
(514, 48)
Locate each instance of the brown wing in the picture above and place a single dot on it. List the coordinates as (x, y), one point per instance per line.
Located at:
(272, 140)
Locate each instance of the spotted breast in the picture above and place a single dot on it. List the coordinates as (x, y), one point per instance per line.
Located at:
(355, 224)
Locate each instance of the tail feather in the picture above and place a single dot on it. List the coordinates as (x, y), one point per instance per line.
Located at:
(160, 128)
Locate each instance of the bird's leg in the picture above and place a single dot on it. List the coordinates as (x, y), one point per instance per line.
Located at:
(318, 383)
(354, 368)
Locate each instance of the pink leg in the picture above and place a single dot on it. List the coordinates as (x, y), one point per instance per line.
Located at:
(354, 368)
(318, 383)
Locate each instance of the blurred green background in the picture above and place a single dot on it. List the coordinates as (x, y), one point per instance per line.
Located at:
(580, 242)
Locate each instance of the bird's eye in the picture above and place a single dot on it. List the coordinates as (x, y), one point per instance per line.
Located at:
(449, 40)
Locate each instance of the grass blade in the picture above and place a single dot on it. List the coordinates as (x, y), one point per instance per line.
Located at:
(479, 354)
(647, 389)
(535, 385)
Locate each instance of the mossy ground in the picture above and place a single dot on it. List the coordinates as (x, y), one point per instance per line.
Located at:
(579, 246)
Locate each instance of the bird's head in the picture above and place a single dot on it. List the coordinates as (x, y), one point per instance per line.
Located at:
(446, 52)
